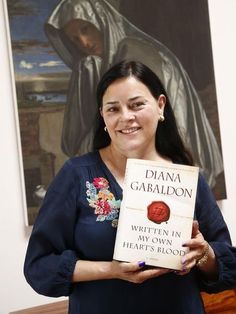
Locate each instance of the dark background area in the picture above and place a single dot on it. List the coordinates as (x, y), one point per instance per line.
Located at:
(183, 26)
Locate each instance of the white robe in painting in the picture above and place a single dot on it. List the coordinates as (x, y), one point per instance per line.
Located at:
(123, 40)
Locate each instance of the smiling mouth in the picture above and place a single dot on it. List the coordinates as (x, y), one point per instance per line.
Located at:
(129, 130)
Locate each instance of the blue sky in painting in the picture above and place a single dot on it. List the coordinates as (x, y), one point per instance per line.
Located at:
(32, 53)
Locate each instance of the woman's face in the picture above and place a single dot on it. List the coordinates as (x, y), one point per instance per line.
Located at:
(86, 37)
(131, 115)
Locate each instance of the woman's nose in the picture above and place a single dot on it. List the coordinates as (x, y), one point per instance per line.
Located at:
(127, 115)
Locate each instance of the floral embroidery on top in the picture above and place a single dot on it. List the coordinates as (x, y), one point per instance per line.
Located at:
(102, 200)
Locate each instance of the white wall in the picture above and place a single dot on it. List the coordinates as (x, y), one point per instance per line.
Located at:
(14, 291)
(223, 25)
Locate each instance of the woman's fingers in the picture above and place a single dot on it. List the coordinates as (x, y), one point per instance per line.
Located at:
(197, 246)
(135, 272)
(195, 228)
(143, 275)
(130, 267)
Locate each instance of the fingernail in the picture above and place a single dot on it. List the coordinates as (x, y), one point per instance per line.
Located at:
(141, 264)
(184, 244)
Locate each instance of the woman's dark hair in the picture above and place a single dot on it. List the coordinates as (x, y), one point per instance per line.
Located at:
(168, 140)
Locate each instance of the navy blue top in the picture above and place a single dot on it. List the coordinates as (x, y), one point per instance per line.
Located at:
(78, 220)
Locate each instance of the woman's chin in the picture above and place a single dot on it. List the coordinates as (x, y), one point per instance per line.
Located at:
(131, 150)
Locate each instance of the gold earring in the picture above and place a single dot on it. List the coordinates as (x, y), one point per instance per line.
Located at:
(162, 118)
(105, 128)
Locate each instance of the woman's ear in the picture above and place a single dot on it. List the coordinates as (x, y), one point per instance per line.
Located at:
(161, 102)
(100, 110)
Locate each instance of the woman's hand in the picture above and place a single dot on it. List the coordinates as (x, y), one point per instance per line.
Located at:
(135, 272)
(198, 248)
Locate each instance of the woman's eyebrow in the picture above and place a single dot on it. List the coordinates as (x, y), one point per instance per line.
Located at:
(111, 103)
(136, 98)
(115, 102)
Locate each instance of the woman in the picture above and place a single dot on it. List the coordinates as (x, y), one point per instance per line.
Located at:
(71, 248)
(90, 36)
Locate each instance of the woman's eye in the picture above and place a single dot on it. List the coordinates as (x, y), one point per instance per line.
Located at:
(138, 105)
(112, 109)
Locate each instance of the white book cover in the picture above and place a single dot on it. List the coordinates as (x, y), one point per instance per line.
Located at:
(156, 213)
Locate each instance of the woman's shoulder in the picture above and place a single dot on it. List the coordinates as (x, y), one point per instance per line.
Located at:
(86, 160)
(76, 167)
(203, 186)
(205, 197)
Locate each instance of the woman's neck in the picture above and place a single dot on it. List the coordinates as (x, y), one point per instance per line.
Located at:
(115, 160)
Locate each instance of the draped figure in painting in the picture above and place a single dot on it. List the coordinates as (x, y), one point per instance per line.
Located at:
(90, 36)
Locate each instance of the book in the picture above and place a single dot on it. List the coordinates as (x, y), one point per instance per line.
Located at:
(156, 213)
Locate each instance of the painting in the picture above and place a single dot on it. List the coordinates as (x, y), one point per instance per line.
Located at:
(55, 77)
